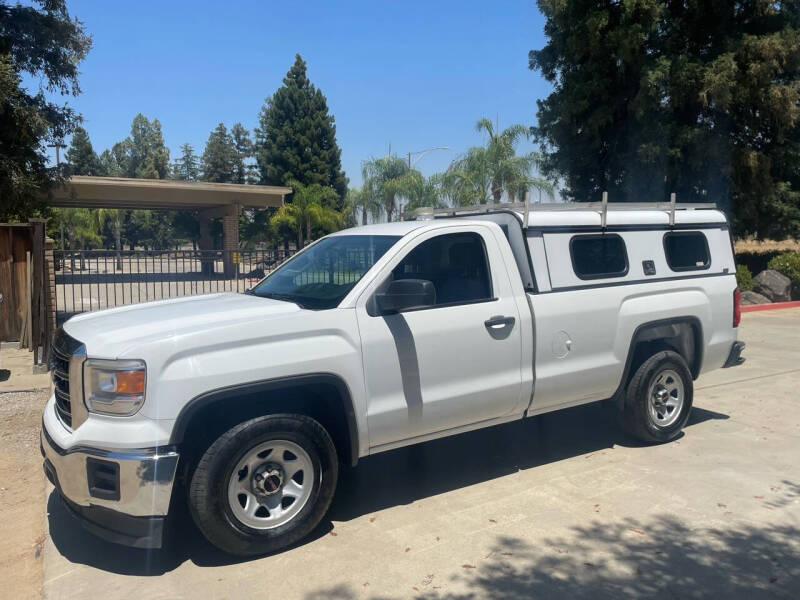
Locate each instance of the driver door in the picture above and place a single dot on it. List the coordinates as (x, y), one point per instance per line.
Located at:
(450, 364)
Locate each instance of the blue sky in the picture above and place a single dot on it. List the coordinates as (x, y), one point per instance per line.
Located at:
(416, 74)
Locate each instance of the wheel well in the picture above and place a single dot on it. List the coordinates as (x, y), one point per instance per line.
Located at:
(683, 336)
(323, 399)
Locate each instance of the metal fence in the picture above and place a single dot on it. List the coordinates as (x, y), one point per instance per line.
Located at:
(93, 279)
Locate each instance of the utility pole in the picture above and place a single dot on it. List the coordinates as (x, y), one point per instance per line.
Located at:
(57, 146)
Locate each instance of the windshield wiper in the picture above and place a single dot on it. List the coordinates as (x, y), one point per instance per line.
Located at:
(278, 296)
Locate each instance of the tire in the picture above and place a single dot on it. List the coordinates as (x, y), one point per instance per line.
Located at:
(658, 398)
(277, 451)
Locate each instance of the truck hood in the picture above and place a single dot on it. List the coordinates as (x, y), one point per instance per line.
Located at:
(113, 332)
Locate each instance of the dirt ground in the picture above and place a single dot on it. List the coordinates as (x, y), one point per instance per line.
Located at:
(21, 494)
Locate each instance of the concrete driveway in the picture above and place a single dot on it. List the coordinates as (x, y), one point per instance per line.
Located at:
(562, 505)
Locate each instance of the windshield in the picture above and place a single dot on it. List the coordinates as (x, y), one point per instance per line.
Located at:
(322, 275)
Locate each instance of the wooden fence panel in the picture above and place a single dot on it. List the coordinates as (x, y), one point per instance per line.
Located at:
(15, 244)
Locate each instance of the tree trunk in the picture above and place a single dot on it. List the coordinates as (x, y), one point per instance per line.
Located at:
(71, 242)
(308, 227)
(364, 215)
(497, 192)
(389, 209)
(118, 240)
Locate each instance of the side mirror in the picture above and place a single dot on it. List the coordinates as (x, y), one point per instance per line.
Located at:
(403, 294)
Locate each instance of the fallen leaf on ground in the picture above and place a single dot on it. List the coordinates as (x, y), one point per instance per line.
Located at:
(372, 519)
(507, 553)
(492, 521)
(639, 531)
(334, 534)
(407, 549)
(467, 566)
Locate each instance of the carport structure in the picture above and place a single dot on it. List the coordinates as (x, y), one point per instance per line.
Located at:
(210, 200)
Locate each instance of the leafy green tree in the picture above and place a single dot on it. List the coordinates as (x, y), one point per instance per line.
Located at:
(254, 227)
(46, 44)
(151, 229)
(296, 136)
(219, 156)
(311, 207)
(697, 98)
(80, 226)
(187, 167)
(81, 157)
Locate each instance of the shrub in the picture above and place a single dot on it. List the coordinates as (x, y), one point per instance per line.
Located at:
(788, 264)
(744, 278)
(755, 261)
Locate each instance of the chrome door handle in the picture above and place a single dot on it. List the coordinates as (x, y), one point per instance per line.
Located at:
(499, 321)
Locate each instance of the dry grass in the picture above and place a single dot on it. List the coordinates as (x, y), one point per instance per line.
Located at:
(761, 246)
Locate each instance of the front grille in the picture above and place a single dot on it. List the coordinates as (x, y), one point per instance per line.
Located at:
(63, 347)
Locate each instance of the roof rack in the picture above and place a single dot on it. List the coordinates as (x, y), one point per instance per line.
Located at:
(602, 208)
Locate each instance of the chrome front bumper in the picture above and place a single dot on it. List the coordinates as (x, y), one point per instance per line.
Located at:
(143, 478)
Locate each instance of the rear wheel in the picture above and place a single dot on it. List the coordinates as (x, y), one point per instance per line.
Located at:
(264, 484)
(658, 398)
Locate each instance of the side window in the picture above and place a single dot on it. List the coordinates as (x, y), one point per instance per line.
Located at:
(686, 250)
(598, 256)
(455, 263)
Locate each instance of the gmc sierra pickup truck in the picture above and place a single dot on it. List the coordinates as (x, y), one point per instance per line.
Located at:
(374, 338)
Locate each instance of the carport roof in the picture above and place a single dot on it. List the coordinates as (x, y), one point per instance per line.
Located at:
(121, 192)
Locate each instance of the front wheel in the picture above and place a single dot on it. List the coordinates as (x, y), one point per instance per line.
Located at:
(264, 484)
(658, 398)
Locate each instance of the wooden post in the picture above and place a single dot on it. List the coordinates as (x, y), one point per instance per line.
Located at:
(38, 322)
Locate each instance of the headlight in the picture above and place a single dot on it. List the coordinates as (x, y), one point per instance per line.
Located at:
(114, 387)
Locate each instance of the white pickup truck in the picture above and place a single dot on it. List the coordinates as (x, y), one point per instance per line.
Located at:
(375, 338)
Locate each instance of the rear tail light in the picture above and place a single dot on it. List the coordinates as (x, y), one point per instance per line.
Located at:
(737, 307)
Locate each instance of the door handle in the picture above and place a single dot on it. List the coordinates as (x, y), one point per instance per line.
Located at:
(499, 321)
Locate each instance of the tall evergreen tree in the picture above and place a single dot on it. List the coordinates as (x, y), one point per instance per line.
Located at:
(46, 44)
(698, 98)
(242, 153)
(149, 156)
(81, 157)
(187, 167)
(219, 156)
(141, 155)
(296, 137)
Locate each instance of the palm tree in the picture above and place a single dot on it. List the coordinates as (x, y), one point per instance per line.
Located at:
(421, 191)
(364, 201)
(311, 206)
(485, 173)
(385, 178)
